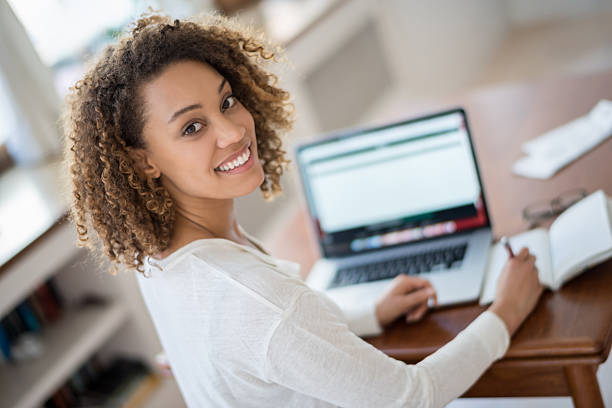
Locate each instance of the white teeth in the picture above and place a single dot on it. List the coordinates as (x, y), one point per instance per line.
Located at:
(239, 161)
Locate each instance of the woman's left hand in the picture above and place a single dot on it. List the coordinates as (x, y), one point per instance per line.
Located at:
(408, 296)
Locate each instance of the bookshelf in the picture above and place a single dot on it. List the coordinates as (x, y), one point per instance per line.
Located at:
(26, 273)
(68, 343)
(38, 243)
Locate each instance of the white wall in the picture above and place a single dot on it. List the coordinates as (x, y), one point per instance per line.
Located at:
(524, 12)
(441, 46)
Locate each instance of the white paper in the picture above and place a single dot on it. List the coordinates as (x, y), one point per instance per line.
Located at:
(536, 241)
(601, 116)
(536, 167)
(559, 141)
(553, 150)
(580, 234)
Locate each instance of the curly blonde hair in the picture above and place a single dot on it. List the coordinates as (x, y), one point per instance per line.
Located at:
(133, 216)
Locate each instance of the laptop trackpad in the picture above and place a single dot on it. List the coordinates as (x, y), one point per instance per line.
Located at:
(451, 286)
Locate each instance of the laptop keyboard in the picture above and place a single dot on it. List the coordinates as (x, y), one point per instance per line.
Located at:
(413, 264)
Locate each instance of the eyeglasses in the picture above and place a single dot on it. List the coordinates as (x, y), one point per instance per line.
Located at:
(542, 210)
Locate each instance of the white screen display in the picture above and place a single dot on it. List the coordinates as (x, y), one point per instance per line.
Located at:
(387, 174)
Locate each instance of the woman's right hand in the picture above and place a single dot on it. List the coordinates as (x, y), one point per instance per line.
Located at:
(518, 290)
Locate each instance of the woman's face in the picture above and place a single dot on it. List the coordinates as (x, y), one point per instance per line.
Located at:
(199, 138)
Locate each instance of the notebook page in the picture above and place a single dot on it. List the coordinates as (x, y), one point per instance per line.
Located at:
(537, 242)
(580, 234)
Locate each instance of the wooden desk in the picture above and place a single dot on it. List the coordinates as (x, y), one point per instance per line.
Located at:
(557, 350)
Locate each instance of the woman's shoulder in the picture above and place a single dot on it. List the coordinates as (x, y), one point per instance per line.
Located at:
(205, 245)
(216, 251)
(214, 262)
(179, 241)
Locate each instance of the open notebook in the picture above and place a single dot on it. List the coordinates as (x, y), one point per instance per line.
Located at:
(579, 238)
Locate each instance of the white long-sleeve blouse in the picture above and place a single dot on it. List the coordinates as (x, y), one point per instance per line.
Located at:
(241, 329)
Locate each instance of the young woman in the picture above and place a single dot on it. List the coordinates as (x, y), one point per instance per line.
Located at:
(168, 126)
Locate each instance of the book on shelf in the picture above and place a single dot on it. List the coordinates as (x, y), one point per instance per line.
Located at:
(581, 237)
(5, 345)
(94, 385)
(14, 324)
(49, 305)
(29, 317)
(21, 326)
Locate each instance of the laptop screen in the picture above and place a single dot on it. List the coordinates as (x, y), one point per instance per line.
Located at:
(389, 185)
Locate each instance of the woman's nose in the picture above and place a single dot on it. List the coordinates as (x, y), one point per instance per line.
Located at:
(229, 132)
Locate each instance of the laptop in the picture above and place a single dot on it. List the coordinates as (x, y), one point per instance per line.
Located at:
(403, 198)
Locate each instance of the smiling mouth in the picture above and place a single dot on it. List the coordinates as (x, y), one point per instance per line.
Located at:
(236, 162)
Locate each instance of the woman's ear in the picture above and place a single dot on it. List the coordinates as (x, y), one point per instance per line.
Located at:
(144, 165)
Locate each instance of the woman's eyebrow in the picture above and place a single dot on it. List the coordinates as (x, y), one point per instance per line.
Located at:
(221, 86)
(194, 106)
(183, 110)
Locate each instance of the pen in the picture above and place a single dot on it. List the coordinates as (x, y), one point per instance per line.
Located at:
(506, 243)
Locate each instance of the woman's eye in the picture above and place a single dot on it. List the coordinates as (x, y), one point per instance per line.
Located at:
(193, 128)
(229, 102)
